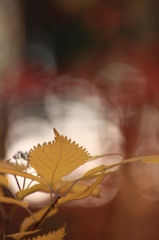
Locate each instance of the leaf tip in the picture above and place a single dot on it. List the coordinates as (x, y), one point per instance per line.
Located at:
(56, 133)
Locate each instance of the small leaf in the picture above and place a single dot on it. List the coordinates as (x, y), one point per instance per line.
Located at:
(9, 168)
(4, 181)
(97, 170)
(93, 173)
(14, 201)
(56, 235)
(150, 159)
(22, 234)
(80, 195)
(13, 166)
(57, 159)
(78, 187)
(35, 188)
(1, 191)
(27, 222)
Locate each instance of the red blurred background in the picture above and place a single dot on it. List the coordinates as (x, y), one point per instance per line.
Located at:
(87, 65)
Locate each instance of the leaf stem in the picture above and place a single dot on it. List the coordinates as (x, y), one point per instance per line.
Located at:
(70, 187)
(105, 155)
(38, 224)
(24, 181)
(17, 182)
(30, 183)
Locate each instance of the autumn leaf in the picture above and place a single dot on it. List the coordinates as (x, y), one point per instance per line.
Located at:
(14, 201)
(1, 191)
(13, 166)
(93, 173)
(20, 195)
(57, 158)
(56, 235)
(17, 236)
(78, 187)
(80, 195)
(62, 189)
(52, 162)
(4, 181)
(9, 168)
(148, 159)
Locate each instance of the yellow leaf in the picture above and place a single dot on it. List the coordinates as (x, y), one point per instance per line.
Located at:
(20, 195)
(4, 181)
(14, 201)
(151, 159)
(80, 195)
(56, 235)
(8, 168)
(57, 159)
(21, 234)
(93, 173)
(12, 166)
(78, 187)
(27, 222)
(1, 191)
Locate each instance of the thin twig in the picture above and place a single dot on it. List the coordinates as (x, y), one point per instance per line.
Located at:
(24, 183)
(38, 224)
(105, 155)
(17, 182)
(69, 187)
(30, 184)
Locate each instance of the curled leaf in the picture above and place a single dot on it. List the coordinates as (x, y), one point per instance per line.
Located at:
(80, 195)
(77, 188)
